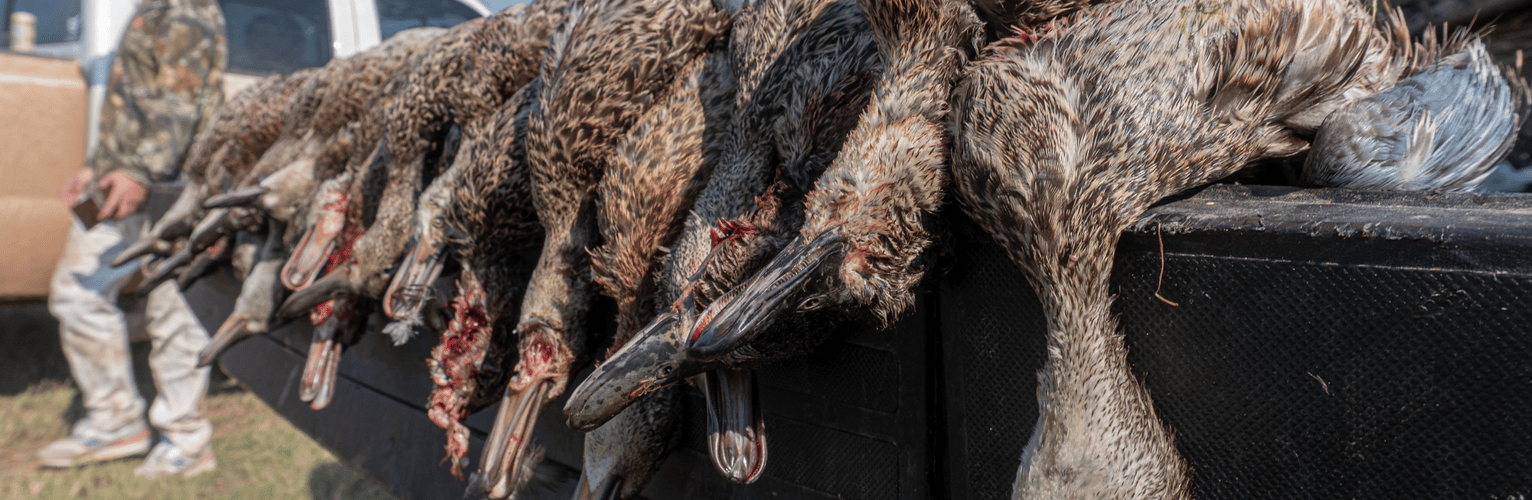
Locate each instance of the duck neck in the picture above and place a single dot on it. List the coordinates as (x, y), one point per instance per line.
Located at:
(1097, 435)
(559, 293)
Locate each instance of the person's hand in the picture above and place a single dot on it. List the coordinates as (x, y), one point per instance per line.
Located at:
(74, 186)
(123, 195)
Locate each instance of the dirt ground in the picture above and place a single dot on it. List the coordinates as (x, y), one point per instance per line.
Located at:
(260, 455)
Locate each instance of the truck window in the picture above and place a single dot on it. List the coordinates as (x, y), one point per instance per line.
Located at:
(276, 36)
(399, 15)
(59, 24)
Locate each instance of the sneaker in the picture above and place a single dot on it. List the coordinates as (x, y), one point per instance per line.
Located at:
(86, 445)
(168, 460)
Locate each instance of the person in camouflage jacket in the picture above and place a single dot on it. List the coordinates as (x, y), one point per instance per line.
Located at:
(166, 82)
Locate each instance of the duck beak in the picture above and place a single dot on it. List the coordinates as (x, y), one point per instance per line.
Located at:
(317, 387)
(736, 431)
(744, 313)
(174, 224)
(508, 441)
(332, 286)
(233, 330)
(164, 268)
(150, 243)
(605, 489)
(212, 225)
(205, 261)
(411, 287)
(655, 358)
(240, 198)
(310, 254)
(260, 288)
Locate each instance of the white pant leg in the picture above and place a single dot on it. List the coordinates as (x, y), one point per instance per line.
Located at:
(83, 296)
(177, 337)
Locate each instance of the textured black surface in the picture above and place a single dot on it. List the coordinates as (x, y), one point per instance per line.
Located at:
(1317, 350)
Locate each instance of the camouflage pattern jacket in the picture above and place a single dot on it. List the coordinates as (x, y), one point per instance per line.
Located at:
(166, 83)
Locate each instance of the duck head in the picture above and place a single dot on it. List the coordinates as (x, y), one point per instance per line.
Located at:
(541, 376)
(327, 218)
(411, 284)
(621, 456)
(656, 358)
(800, 280)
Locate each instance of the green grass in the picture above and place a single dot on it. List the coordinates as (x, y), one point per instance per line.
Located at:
(260, 456)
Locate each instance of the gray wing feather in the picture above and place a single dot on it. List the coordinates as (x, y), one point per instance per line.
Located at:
(1442, 129)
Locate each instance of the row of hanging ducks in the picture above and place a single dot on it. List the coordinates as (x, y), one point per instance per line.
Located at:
(740, 176)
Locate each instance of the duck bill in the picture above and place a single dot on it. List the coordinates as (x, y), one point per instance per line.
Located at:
(736, 429)
(411, 287)
(176, 223)
(310, 254)
(332, 286)
(501, 468)
(320, 348)
(240, 198)
(210, 228)
(164, 268)
(745, 313)
(233, 330)
(631, 373)
(204, 262)
(149, 244)
(317, 387)
(606, 488)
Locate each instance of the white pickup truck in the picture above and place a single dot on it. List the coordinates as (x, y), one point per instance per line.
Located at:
(50, 97)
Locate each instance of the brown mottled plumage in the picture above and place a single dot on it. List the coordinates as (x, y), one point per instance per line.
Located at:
(327, 103)
(804, 98)
(463, 78)
(258, 129)
(460, 77)
(1056, 153)
(652, 179)
(860, 245)
(490, 223)
(606, 65)
(1004, 18)
(654, 175)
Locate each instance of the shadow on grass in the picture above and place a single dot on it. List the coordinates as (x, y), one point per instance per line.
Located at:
(336, 481)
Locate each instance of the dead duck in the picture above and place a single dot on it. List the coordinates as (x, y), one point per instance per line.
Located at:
(802, 82)
(1442, 129)
(655, 174)
(339, 322)
(361, 169)
(1039, 130)
(258, 130)
(862, 243)
(464, 78)
(409, 290)
(259, 295)
(604, 67)
(492, 228)
(662, 359)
